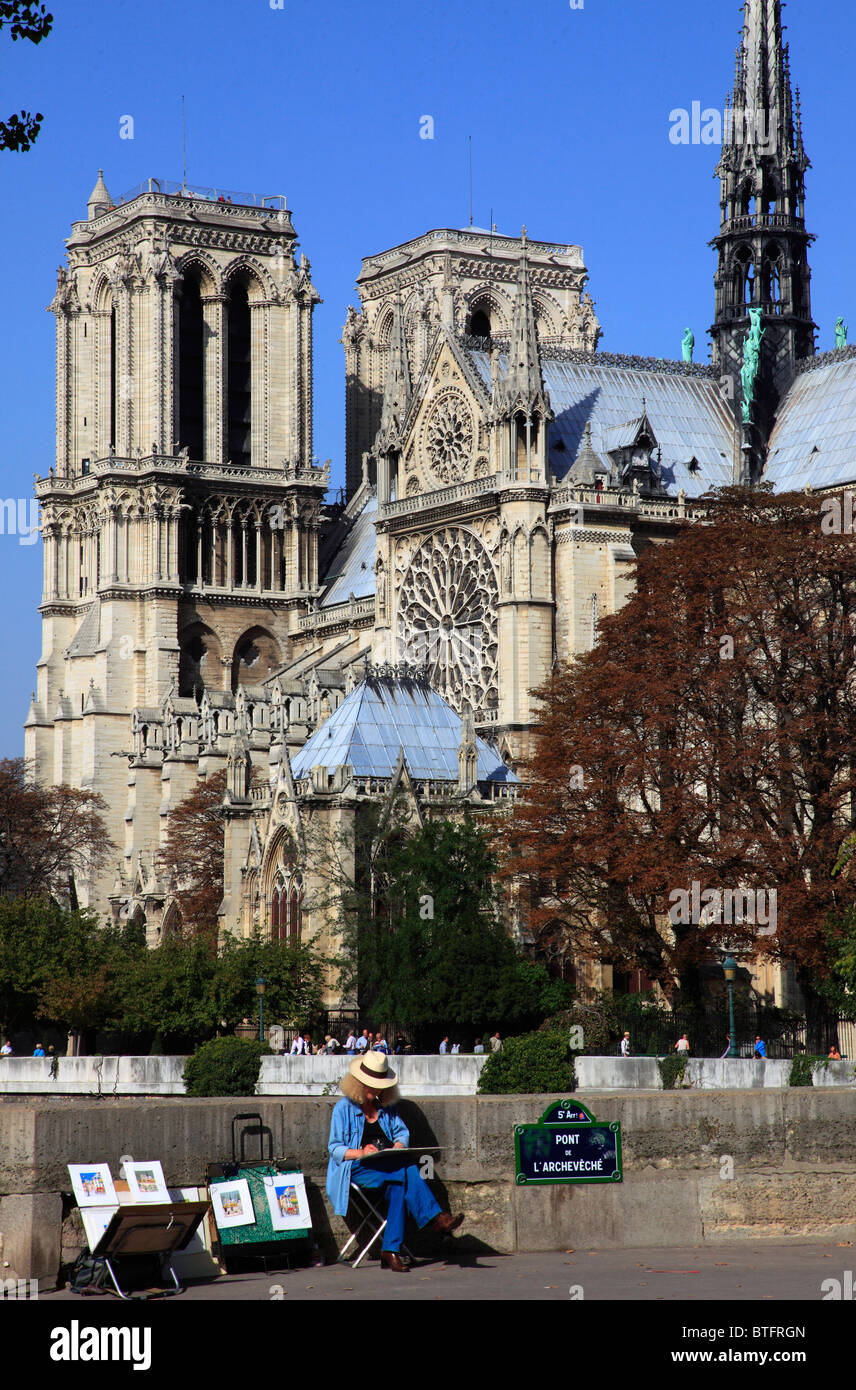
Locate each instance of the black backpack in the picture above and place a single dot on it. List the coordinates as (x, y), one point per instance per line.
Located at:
(89, 1275)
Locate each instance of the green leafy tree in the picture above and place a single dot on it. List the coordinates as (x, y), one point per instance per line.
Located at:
(294, 976)
(169, 990)
(58, 966)
(431, 943)
(25, 19)
(84, 988)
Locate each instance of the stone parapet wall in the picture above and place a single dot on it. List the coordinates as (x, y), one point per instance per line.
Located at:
(420, 1075)
(699, 1166)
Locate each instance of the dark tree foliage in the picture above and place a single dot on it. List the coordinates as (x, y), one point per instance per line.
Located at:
(432, 946)
(25, 19)
(707, 738)
(58, 966)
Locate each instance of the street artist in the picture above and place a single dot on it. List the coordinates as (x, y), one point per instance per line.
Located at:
(367, 1122)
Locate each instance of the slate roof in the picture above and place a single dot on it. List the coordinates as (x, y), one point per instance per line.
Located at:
(384, 714)
(814, 438)
(351, 570)
(688, 414)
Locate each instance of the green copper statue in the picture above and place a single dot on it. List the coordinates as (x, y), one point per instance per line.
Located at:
(751, 362)
(688, 344)
(840, 333)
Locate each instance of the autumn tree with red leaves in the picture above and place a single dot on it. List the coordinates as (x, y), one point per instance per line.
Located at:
(192, 858)
(708, 739)
(49, 836)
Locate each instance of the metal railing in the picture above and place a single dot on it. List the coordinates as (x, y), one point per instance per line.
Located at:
(270, 201)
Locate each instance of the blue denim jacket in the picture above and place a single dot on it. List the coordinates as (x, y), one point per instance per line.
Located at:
(346, 1132)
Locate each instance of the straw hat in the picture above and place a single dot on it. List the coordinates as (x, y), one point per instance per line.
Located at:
(372, 1069)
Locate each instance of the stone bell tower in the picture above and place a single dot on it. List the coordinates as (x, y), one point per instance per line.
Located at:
(180, 520)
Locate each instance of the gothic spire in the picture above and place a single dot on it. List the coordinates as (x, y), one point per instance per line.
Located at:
(523, 386)
(763, 269)
(762, 104)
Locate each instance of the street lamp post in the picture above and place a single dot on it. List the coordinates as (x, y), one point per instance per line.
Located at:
(260, 991)
(729, 966)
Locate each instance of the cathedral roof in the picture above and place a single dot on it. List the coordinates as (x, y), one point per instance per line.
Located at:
(381, 716)
(814, 439)
(687, 412)
(351, 570)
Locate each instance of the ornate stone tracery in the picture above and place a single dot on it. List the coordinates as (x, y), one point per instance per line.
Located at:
(449, 435)
(447, 617)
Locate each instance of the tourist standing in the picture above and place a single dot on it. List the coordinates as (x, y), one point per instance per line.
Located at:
(496, 1042)
(682, 1046)
(351, 1044)
(625, 1045)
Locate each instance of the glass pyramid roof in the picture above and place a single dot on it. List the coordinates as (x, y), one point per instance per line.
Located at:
(384, 714)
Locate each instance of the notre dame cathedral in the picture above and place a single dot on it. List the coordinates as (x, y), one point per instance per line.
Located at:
(205, 606)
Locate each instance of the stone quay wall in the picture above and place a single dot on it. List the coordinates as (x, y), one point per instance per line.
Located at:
(420, 1075)
(700, 1166)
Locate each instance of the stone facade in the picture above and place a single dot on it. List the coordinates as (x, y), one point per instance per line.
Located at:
(206, 609)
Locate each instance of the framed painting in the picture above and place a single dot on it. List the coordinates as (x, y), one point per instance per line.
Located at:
(146, 1182)
(232, 1204)
(92, 1184)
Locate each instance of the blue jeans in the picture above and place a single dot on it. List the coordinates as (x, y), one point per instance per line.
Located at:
(404, 1190)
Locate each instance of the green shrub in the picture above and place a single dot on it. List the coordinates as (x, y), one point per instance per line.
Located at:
(224, 1067)
(802, 1068)
(532, 1063)
(672, 1071)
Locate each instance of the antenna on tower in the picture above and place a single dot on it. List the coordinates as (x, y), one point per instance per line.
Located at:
(471, 179)
(183, 148)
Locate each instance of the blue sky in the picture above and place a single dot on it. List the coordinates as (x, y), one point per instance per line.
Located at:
(568, 110)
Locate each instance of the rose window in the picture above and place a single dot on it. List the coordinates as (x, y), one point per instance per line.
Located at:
(449, 438)
(447, 617)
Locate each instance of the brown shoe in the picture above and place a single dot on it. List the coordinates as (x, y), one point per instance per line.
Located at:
(390, 1259)
(446, 1223)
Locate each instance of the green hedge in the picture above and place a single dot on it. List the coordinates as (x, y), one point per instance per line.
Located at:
(532, 1063)
(224, 1067)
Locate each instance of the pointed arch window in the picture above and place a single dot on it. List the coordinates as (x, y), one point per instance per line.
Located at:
(286, 907)
(772, 276)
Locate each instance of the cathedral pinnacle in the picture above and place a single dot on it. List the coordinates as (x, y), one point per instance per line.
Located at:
(99, 199)
(523, 386)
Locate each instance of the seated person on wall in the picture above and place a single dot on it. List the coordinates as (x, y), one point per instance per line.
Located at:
(366, 1122)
